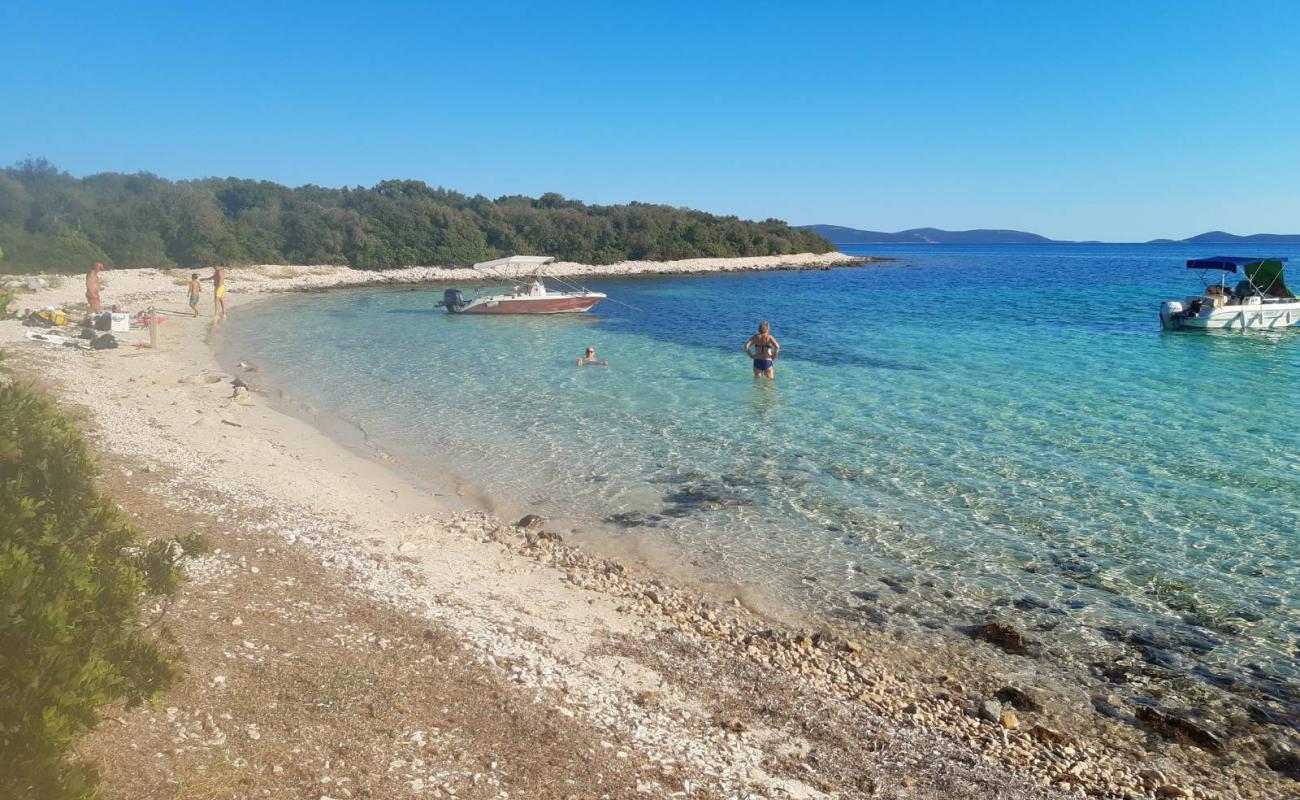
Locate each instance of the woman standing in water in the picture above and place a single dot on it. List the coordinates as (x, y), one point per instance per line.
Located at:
(763, 348)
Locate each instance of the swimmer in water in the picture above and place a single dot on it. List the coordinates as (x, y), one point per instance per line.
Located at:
(763, 348)
(590, 358)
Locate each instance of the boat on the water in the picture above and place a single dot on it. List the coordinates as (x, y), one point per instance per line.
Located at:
(1259, 301)
(528, 293)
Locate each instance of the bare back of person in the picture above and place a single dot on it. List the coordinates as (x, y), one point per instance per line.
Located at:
(763, 348)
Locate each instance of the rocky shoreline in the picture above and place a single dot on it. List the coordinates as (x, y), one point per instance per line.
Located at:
(1007, 724)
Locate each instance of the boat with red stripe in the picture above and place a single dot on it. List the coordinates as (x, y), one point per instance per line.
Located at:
(528, 294)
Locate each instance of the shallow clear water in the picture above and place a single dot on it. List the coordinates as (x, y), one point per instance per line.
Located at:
(992, 430)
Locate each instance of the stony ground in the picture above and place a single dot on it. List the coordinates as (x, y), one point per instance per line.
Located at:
(298, 685)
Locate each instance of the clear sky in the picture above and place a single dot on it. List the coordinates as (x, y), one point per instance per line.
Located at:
(1102, 120)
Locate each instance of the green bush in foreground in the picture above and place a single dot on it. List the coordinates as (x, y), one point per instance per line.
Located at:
(72, 578)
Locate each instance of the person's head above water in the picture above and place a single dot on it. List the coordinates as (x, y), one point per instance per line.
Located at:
(764, 326)
(589, 357)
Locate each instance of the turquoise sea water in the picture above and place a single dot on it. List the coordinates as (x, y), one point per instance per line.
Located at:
(963, 434)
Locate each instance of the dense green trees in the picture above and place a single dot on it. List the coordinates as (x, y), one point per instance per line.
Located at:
(72, 577)
(52, 221)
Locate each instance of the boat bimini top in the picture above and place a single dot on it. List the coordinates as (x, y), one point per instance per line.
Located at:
(1264, 274)
(514, 262)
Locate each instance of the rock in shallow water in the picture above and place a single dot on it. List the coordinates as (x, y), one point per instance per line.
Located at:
(1180, 729)
(1003, 636)
(1018, 699)
(1284, 761)
(635, 519)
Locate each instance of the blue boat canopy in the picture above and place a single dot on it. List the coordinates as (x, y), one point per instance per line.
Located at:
(1228, 263)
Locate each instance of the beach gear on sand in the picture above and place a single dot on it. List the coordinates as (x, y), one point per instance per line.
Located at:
(48, 338)
(46, 318)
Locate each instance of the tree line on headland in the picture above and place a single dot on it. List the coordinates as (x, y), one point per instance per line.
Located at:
(52, 221)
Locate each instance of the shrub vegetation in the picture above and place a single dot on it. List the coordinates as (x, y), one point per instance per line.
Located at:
(51, 221)
(73, 576)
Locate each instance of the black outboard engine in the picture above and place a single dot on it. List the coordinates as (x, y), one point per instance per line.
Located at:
(453, 300)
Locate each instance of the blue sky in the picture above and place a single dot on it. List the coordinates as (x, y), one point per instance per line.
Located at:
(1116, 121)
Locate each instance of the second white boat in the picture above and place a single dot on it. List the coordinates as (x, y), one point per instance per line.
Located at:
(1260, 301)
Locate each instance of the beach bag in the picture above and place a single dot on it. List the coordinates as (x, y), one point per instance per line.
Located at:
(103, 321)
(105, 342)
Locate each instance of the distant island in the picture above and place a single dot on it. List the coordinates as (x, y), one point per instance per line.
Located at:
(52, 221)
(1221, 237)
(839, 234)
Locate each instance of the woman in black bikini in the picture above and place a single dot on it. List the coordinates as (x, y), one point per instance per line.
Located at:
(764, 349)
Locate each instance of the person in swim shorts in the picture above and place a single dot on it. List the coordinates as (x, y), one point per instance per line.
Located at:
(218, 293)
(93, 285)
(763, 348)
(195, 289)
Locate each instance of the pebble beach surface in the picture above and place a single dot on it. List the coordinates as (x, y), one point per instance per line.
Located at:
(707, 697)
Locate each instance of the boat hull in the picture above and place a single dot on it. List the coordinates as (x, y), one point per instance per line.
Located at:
(1260, 317)
(546, 304)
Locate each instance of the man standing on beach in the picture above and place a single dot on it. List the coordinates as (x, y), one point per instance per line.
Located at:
(218, 293)
(93, 286)
(763, 348)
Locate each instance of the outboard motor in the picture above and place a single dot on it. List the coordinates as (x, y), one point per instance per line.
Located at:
(453, 300)
(1171, 314)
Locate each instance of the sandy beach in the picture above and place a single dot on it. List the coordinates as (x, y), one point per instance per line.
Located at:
(488, 659)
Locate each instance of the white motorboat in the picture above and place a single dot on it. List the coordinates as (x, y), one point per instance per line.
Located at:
(1260, 301)
(528, 294)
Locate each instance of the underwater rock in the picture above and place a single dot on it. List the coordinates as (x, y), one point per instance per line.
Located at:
(1075, 565)
(703, 496)
(1003, 636)
(1108, 708)
(1018, 699)
(893, 583)
(1179, 729)
(1284, 761)
(1028, 603)
(635, 519)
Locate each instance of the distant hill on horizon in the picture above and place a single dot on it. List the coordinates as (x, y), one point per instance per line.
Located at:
(1223, 237)
(838, 234)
